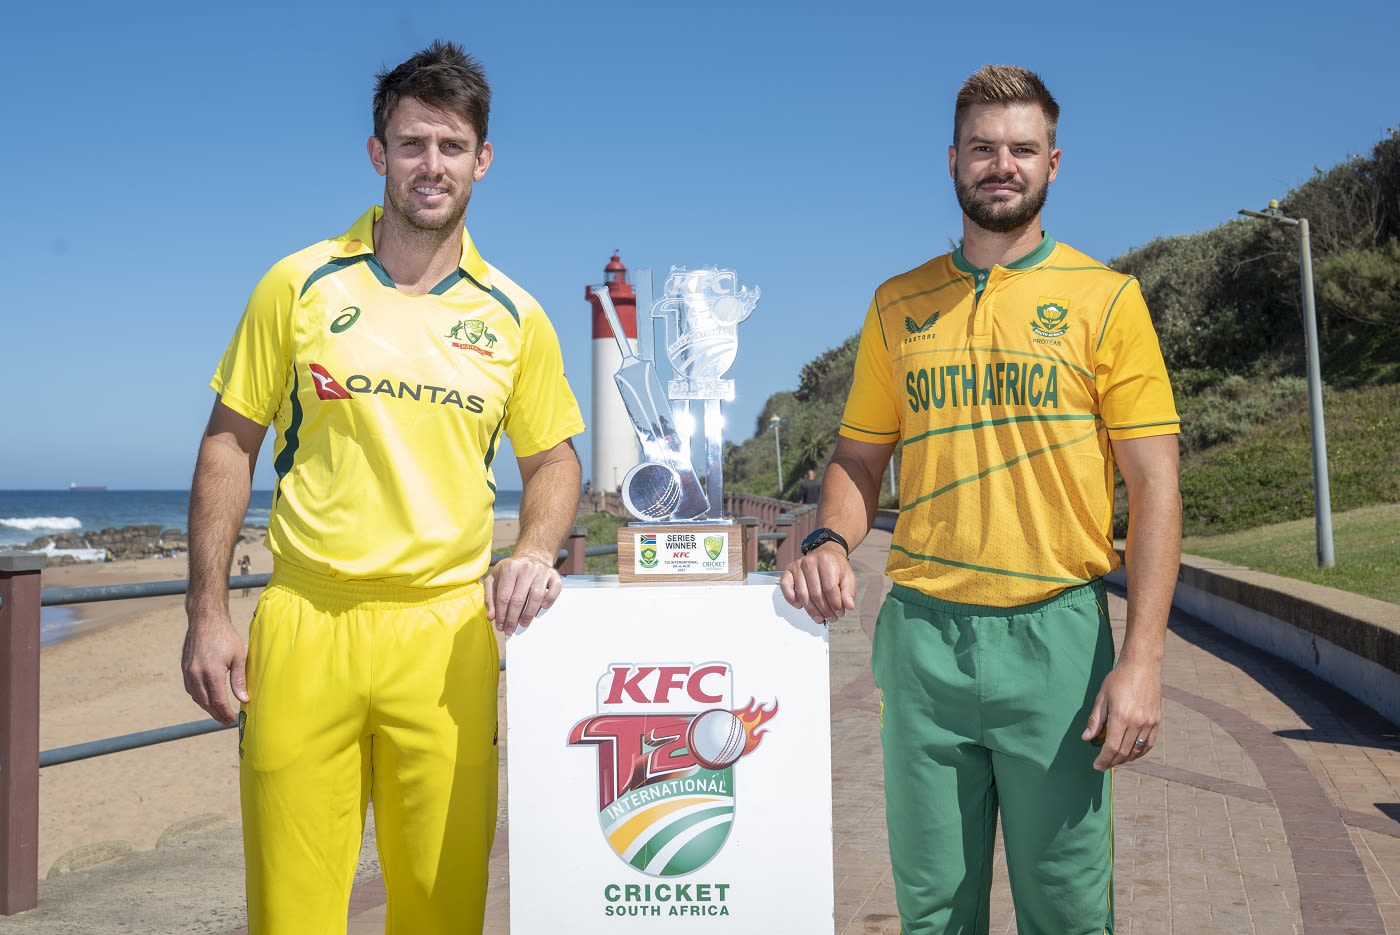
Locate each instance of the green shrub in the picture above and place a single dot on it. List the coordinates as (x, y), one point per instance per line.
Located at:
(1266, 476)
(1234, 407)
(602, 530)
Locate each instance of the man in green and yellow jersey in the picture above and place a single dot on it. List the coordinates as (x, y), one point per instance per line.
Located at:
(389, 360)
(1013, 374)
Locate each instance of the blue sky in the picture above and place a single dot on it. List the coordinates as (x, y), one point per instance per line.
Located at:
(161, 156)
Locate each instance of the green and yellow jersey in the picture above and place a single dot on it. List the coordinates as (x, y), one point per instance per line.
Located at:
(1003, 388)
(388, 409)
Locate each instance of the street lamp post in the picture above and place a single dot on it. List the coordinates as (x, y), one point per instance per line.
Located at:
(777, 422)
(1322, 495)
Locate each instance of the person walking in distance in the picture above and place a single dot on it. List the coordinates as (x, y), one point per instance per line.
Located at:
(389, 360)
(1014, 373)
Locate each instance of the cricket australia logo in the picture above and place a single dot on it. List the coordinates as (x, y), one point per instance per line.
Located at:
(473, 333)
(1050, 317)
(714, 546)
(668, 736)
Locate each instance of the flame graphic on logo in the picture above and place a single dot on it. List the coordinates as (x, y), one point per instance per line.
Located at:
(753, 716)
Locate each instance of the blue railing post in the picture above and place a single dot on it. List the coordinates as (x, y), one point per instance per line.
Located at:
(19, 730)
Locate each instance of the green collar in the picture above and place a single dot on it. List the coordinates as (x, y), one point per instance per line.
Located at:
(1037, 255)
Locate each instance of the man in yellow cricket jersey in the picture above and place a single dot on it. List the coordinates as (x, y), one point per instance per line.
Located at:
(389, 361)
(1013, 374)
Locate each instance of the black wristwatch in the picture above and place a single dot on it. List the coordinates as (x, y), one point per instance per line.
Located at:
(822, 536)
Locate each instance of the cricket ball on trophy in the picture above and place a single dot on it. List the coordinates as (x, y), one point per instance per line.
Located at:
(716, 738)
(651, 491)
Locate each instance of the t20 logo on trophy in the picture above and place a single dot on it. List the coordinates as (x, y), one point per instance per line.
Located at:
(702, 310)
(668, 736)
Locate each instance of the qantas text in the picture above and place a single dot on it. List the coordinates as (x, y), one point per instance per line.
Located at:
(363, 385)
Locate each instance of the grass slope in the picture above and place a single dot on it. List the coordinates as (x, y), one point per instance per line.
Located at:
(1366, 542)
(1265, 476)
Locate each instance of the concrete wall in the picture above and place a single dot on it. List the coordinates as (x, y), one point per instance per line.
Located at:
(1347, 640)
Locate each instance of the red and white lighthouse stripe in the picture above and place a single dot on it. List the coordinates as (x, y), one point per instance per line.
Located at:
(613, 439)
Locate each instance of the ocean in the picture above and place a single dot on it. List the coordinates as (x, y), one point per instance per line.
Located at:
(25, 515)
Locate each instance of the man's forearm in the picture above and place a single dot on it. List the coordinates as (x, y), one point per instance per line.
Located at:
(1153, 557)
(850, 496)
(548, 506)
(218, 503)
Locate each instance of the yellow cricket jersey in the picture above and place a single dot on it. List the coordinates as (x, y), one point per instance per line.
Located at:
(1003, 387)
(388, 408)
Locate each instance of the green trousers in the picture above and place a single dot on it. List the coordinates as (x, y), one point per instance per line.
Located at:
(981, 711)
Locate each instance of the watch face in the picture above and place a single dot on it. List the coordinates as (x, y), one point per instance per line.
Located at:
(821, 537)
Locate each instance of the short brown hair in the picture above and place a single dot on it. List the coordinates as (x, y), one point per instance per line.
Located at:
(1005, 84)
(442, 77)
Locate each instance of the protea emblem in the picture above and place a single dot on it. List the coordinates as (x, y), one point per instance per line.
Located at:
(1050, 317)
(647, 547)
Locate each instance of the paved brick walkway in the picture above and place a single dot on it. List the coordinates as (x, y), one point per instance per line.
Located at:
(1270, 805)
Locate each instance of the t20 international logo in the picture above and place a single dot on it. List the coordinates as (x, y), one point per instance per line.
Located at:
(668, 736)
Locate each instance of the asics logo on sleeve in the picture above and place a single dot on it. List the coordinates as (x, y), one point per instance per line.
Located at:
(348, 316)
(326, 386)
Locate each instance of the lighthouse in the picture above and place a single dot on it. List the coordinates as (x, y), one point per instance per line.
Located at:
(614, 440)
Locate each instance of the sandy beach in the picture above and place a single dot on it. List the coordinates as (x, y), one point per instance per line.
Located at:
(119, 673)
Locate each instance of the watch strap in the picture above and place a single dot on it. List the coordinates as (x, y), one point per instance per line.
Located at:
(819, 537)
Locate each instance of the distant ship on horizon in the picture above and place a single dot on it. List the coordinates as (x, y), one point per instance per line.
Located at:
(87, 488)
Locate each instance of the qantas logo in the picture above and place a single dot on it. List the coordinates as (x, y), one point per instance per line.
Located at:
(326, 387)
(357, 384)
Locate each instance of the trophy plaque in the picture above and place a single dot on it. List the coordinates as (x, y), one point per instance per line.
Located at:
(680, 533)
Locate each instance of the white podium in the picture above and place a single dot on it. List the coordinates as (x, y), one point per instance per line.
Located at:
(669, 763)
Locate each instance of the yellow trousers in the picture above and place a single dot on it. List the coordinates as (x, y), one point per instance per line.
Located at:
(359, 692)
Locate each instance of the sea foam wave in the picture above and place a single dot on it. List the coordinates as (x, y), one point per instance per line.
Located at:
(41, 522)
(78, 555)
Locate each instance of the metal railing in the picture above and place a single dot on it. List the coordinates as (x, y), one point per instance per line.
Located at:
(781, 524)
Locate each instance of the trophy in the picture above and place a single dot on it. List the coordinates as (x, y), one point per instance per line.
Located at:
(681, 533)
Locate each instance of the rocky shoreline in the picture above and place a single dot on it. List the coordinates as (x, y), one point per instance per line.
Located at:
(128, 542)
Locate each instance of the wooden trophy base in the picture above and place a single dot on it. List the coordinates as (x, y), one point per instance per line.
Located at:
(680, 553)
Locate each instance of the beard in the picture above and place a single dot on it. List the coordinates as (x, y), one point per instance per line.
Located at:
(1001, 217)
(451, 217)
